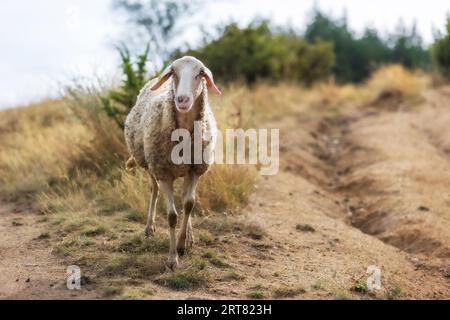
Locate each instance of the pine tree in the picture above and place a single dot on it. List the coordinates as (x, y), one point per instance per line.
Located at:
(440, 52)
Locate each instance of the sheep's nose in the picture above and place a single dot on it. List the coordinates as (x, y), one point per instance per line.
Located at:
(183, 99)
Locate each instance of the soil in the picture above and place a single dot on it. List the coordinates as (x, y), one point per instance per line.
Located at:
(369, 186)
(28, 269)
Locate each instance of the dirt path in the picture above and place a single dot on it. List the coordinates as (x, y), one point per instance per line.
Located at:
(368, 187)
(363, 188)
(28, 270)
(365, 183)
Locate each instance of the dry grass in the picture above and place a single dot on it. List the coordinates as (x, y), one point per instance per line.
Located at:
(387, 80)
(39, 146)
(395, 77)
(243, 107)
(51, 142)
(287, 292)
(67, 158)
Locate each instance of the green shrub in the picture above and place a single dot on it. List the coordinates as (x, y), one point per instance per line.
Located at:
(440, 52)
(256, 52)
(361, 286)
(118, 103)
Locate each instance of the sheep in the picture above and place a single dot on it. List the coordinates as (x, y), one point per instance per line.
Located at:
(175, 100)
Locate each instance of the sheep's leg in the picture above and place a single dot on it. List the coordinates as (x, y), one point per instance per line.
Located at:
(150, 227)
(167, 190)
(190, 234)
(186, 237)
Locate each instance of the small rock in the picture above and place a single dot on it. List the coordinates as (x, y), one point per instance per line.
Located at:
(28, 280)
(423, 208)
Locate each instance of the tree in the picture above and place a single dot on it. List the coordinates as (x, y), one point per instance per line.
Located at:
(156, 21)
(256, 52)
(356, 57)
(440, 52)
(373, 51)
(408, 48)
(322, 27)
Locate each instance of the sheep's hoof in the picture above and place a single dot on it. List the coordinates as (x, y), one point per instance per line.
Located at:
(149, 231)
(172, 262)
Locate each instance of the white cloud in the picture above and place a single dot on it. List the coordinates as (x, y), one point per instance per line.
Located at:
(45, 42)
(48, 41)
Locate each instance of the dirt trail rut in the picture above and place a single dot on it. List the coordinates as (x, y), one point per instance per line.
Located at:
(375, 190)
(394, 177)
(368, 187)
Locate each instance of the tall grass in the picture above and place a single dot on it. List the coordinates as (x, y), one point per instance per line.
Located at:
(49, 143)
(396, 78)
(67, 158)
(39, 147)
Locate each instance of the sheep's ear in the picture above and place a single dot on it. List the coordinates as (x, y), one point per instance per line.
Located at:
(163, 78)
(207, 74)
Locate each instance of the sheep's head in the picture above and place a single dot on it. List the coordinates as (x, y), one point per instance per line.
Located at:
(188, 74)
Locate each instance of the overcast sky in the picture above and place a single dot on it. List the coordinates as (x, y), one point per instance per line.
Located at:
(44, 43)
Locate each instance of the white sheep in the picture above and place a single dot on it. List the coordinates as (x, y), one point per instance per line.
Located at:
(173, 101)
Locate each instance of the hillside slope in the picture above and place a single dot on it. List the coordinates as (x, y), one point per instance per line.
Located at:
(366, 185)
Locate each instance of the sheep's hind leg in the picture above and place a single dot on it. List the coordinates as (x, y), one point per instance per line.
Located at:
(186, 236)
(167, 190)
(150, 227)
(190, 234)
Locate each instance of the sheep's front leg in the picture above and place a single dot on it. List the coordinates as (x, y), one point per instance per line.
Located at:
(167, 189)
(150, 228)
(186, 236)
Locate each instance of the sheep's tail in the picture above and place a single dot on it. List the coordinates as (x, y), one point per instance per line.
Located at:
(131, 164)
